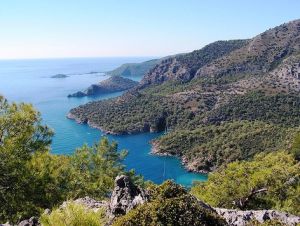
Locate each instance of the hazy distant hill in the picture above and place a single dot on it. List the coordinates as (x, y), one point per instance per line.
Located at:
(224, 102)
(134, 69)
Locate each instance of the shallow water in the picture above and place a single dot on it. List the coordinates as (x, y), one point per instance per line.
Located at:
(29, 81)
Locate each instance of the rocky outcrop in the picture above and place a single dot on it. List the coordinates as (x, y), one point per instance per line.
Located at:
(183, 67)
(242, 218)
(126, 196)
(113, 84)
(262, 54)
(33, 221)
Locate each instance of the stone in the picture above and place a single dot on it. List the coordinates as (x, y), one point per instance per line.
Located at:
(33, 221)
(242, 218)
(126, 196)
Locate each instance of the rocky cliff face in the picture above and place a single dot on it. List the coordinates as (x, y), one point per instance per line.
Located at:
(183, 67)
(256, 56)
(126, 196)
(262, 54)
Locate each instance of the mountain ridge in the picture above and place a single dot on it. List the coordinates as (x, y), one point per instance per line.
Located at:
(110, 85)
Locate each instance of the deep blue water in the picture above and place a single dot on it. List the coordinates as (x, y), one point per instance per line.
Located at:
(29, 81)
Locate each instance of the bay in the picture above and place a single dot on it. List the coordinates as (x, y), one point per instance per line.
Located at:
(30, 81)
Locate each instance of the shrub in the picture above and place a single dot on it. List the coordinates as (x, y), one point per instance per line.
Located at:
(74, 215)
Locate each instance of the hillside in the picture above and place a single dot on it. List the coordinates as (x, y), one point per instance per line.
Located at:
(224, 87)
(134, 69)
(110, 85)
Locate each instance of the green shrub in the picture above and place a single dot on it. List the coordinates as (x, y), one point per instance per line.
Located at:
(209, 147)
(74, 215)
(269, 181)
(32, 179)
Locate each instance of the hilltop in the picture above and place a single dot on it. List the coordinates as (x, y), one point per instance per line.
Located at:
(134, 69)
(224, 102)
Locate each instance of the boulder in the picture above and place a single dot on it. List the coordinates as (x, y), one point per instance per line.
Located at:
(33, 221)
(126, 196)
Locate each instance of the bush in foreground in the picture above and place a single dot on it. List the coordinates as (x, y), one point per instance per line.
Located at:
(269, 181)
(74, 215)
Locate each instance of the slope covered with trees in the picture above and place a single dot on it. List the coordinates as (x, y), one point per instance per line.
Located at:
(134, 69)
(32, 179)
(223, 84)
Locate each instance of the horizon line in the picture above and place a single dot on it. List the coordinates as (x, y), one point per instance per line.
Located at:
(80, 57)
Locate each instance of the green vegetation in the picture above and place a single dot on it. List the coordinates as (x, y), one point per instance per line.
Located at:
(295, 149)
(74, 215)
(269, 181)
(134, 69)
(110, 85)
(32, 179)
(279, 109)
(42, 180)
(206, 136)
(207, 54)
(226, 81)
(209, 147)
(21, 135)
(135, 116)
(170, 205)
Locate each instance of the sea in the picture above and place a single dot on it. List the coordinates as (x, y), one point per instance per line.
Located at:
(30, 81)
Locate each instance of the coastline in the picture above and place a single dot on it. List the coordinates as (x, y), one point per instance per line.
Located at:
(155, 150)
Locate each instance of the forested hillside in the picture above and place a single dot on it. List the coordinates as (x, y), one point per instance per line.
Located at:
(233, 87)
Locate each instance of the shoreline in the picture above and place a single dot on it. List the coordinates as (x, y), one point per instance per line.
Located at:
(154, 145)
(184, 162)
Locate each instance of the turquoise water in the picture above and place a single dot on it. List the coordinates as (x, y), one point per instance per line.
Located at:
(29, 81)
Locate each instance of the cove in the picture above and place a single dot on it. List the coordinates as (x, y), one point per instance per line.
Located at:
(29, 81)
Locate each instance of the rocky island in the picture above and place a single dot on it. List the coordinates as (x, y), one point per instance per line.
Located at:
(110, 85)
(59, 76)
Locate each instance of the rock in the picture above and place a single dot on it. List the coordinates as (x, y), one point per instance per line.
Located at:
(59, 76)
(242, 218)
(47, 212)
(77, 94)
(33, 221)
(126, 196)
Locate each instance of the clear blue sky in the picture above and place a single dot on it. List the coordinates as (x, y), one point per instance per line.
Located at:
(83, 28)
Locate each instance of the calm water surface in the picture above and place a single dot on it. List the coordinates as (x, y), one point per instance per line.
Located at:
(29, 81)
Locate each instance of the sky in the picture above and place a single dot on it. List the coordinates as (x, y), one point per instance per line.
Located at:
(109, 28)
